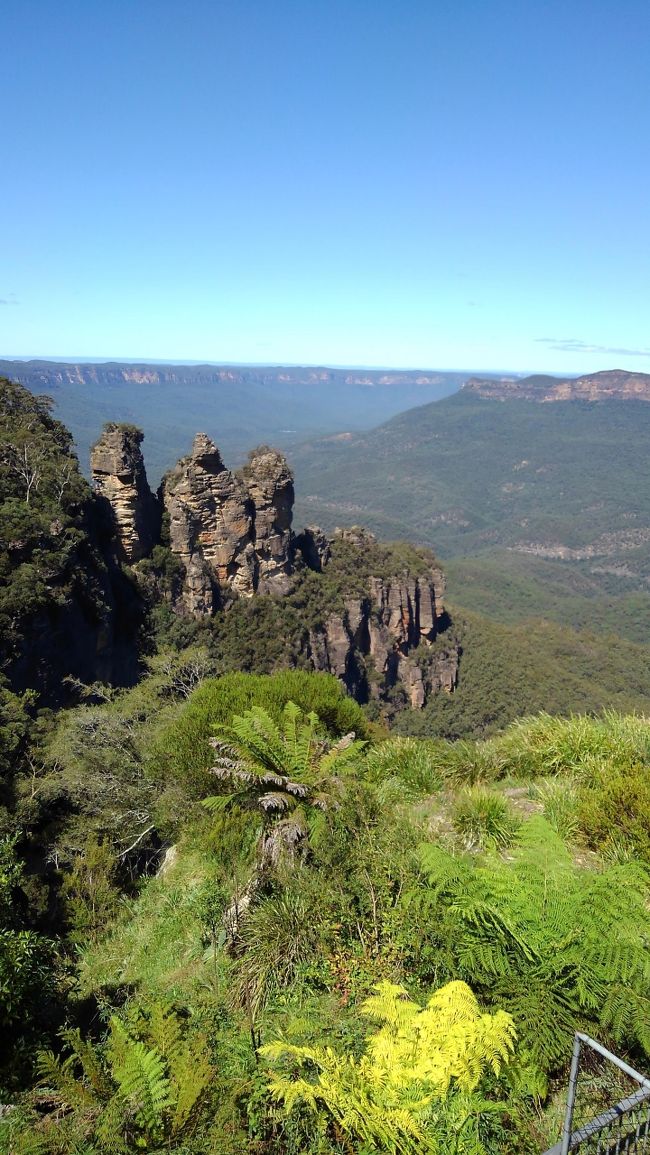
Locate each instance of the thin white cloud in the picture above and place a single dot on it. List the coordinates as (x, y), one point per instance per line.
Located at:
(573, 345)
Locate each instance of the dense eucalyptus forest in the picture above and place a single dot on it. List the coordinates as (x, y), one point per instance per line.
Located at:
(242, 911)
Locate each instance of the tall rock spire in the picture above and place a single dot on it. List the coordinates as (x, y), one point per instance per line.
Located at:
(119, 476)
(270, 484)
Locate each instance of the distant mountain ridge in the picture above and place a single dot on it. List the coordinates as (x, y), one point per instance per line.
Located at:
(48, 373)
(608, 385)
(547, 503)
(236, 404)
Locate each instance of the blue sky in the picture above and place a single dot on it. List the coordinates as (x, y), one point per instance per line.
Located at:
(459, 184)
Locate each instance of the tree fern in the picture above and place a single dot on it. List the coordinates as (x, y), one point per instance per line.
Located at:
(284, 771)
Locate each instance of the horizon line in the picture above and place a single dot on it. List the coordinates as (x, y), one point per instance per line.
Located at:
(98, 360)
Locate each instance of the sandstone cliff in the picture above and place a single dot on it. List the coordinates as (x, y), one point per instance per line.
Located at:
(232, 533)
(384, 638)
(609, 385)
(270, 487)
(119, 476)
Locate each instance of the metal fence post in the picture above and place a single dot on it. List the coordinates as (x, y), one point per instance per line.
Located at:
(571, 1097)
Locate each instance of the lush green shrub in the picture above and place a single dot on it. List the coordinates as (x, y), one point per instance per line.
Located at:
(483, 819)
(89, 890)
(413, 763)
(614, 808)
(183, 748)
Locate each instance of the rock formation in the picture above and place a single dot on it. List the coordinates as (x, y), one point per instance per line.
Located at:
(385, 639)
(211, 527)
(314, 547)
(270, 487)
(119, 476)
(232, 534)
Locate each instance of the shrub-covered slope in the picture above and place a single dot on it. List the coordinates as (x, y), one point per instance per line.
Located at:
(248, 998)
(547, 501)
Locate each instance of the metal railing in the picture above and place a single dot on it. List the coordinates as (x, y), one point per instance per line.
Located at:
(623, 1128)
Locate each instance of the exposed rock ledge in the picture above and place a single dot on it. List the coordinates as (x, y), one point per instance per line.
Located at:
(607, 385)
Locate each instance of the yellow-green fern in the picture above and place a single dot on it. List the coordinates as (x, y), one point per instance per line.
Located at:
(414, 1087)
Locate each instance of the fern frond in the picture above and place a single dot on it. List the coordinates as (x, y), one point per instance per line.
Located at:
(87, 1056)
(342, 759)
(164, 1030)
(398, 1096)
(141, 1077)
(58, 1076)
(192, 1072)
(111, 1127)
(299, 737)
(276, 802)
(259, 735)
(217, 803)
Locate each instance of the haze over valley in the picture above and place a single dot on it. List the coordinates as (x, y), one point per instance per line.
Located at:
(238, 404)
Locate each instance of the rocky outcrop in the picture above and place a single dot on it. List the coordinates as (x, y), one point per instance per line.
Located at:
(314, 547)
(270, 486)
(210, 527)
(231, 532)
(385, 639)
(119, 478)
(609, 385)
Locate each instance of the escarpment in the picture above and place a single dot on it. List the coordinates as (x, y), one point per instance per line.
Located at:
(370, 614)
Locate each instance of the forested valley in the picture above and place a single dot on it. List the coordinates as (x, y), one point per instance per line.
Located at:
(247, 905)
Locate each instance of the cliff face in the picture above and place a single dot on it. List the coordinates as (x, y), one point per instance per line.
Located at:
(385, 639)
(39, 375)
(119, 477)
(610, 385)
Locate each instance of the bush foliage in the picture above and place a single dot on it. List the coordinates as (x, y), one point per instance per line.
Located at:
(222, 1003)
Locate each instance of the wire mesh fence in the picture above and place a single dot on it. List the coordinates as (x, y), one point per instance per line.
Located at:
(608, 1105)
